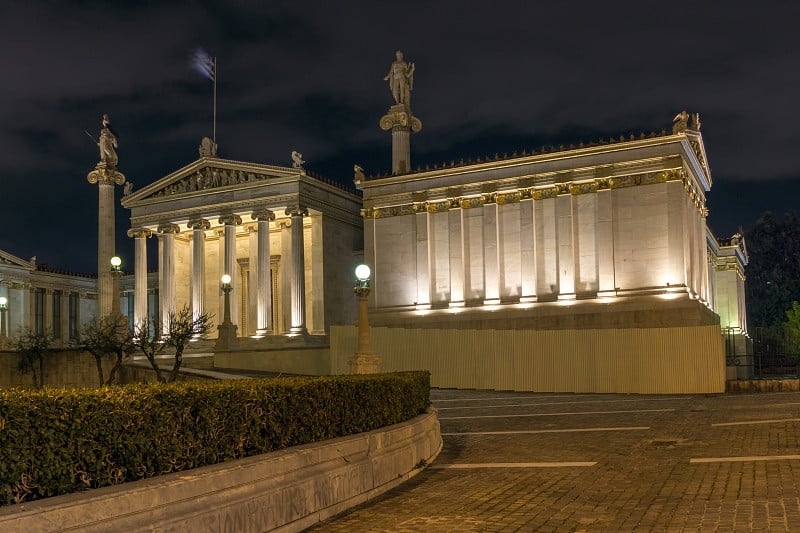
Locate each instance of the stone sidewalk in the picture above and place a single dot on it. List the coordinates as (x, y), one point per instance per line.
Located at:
(591, 463)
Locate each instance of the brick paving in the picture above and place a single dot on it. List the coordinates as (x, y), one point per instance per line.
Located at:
(643, 479)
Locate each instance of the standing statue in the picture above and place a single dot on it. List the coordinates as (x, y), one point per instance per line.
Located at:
(108, 144)
(401, 79)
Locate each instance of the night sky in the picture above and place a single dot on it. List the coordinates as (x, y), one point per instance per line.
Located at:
(307, 76)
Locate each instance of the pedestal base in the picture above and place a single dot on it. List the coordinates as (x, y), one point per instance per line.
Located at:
(365, 364)
(226, 338)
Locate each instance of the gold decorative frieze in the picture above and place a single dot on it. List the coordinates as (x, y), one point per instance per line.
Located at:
(545, 193)
(583, 188)
(536, 193)
(489, 198)
(508, 197)
(472, 202)
(438, 207)
(394, 211)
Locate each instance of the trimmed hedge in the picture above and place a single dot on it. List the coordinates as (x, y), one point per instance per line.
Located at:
(56, 441)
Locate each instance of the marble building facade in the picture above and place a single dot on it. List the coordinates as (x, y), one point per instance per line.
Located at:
(597, 237)
(44, 300)
(287, 240)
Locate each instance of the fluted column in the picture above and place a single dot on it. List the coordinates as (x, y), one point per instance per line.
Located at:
(166, 272)
(198, 286)
(264, 286)
(140, 236)
(229, 258)
(298, 271)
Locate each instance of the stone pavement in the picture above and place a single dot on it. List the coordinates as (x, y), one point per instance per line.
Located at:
(600, 462)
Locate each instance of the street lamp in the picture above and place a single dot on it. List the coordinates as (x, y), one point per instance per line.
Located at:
(227, 330)
(226, 288)
(116, 272)
(3, 309)
(364, 361)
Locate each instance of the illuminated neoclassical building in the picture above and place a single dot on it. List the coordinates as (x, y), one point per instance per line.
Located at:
(286, 238)
(44, 300)
(583, 268)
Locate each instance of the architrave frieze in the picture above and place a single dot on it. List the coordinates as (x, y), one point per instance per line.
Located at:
(538, 193)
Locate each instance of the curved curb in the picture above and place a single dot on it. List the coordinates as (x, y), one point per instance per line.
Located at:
(288, 490)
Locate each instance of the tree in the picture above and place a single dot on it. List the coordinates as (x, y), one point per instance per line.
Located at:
(792, 329)
(182, 327)
(33, 348)
(773, 273)
(107, 337)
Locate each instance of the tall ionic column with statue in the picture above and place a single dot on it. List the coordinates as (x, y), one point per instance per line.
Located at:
(106, 176)
(399, 119)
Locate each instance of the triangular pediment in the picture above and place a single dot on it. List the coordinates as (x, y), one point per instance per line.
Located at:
(698, 148)
(208, 175)
(11, 259)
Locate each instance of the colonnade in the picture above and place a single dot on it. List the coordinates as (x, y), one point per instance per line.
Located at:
(226, 226)
(586, 240)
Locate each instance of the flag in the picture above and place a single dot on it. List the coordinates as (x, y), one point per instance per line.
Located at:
(204, 64)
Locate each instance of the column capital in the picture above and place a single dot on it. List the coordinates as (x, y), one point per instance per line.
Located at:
(168, 227)
(262, 215)
(297, 211)
(230, 220)
(140, 233)
(199, 223)
(105, 174)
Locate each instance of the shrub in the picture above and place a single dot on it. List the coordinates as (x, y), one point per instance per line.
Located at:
(59, 441)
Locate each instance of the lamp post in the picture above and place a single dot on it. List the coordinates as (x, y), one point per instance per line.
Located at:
(116, 272)
(364, 361)
(3, 309)
(227, 330)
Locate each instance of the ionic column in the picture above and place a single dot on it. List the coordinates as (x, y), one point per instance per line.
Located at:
(298, 269)
(197, 282)
(47, 312)
(491, 251)
(140, 236)
(166, 273)
(264, 287)
(229, 265)
(527, 247)
(64, 317)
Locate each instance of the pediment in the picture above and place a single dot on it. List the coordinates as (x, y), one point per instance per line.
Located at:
(11, 259)
(208, 175)
(696, 143)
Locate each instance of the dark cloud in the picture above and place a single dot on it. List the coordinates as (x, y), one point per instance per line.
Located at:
(496, 77)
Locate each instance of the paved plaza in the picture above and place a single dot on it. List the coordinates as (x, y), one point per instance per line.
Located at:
(599, 462)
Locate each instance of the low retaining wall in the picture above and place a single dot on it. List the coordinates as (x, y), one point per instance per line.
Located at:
(288, 490)
(669, 360)
(763, 385)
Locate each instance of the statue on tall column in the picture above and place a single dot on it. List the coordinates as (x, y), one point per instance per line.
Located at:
(401, 79)
(108, 144)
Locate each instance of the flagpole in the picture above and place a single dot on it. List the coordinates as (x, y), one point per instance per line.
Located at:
(215, 102)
